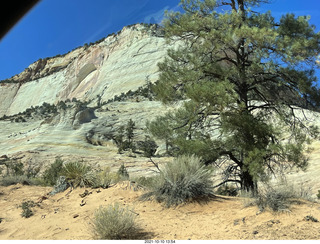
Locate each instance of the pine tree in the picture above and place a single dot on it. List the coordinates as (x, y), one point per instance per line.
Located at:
(129, 131)
(244, 77)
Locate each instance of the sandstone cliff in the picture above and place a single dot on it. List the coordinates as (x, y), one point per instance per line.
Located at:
(119, 63)
(71, 105)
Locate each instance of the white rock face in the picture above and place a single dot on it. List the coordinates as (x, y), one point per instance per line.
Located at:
(95, 73)
(118, 64)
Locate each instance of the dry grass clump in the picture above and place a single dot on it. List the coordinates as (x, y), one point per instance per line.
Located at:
(104, 178)
(184, 179)
(280, 197)
(115, 222)
(277, 199)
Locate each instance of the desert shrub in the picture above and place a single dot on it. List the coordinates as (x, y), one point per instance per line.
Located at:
(32, 171)
(318, 195)
(148, 147)
(16, 174)
(123, 173)
(26, 209)
(9, 180)
(145, 182)
(275, 198)
(104, 178)
(37, 181)
(227, 190)
(184, 179)
(52, 174)
(303, 192)
(115, 222)
(15, 168)
(78, 174)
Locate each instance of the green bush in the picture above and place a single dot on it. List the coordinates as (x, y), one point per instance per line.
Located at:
(145, 182)
(26, 209)
(15, 168)
(318, 195)
(148, 146)
(9, 180)
(275, 198)
(104, 178)
(78, 174)
(182, 180)
(52, 174)
(227, 190)
(15, 174)
(115, 223)
(123, 173)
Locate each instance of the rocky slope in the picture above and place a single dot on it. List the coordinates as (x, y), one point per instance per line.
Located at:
(69, 105)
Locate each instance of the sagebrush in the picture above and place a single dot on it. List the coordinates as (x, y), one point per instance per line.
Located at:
(115, 222)
(277, 198)
(104, 178)
(184, 179)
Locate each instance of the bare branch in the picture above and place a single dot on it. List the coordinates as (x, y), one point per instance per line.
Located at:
(155, 164)
(229, 180)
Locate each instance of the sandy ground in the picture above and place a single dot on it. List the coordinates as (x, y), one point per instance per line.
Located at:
(61, 217)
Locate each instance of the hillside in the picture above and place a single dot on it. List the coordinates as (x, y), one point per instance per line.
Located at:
(71, 105)
(61, 217)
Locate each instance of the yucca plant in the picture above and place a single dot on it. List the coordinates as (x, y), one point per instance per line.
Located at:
(184, 179)
(78, 174)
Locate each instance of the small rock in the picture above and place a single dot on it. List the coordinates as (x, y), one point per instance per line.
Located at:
(310, 218)
(86, 193)
(82, 203)
(255, 232)
(75, 216)
(41, 199)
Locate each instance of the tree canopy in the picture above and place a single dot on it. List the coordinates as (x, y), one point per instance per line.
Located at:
(244, 77)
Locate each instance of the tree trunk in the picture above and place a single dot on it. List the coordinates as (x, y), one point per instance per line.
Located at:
(247, 182)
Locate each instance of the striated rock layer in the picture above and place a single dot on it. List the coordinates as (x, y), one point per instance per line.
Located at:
(119, 63)
(94, 75)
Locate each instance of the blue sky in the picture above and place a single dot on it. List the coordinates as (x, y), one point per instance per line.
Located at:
(57, 26)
